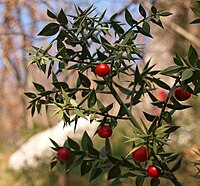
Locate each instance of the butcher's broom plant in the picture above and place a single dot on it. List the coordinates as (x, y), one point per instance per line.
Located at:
(103, 59)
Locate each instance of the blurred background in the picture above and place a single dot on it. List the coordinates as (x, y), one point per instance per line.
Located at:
(21, 21)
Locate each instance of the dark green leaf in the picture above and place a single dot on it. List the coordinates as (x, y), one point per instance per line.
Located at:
(176, 166)
(171, 158)
(86, 141)
(38, 87)
(73, 144)
(93, 152)
(113, 159)
(114, 172)
(84, 80)
(94, 38)
(60, 85)
(107, 109)
(196, 10)
(118, 29)
(101, 56)
(165, 14)
(50, 29)
(103, 40)
(53, 164)
(157, 22)
(62, 19)
(149, 117)
(123, 90)
(122, 111)
(51, 14)
(30, 94)
(38, 106)
(108, 146)
(54, 143)
(86, 166)
(178, 61)
(129, 18)
(142, 11)
(178, 107)
(95, 173)
(146, 27)
(153, 10)
(92, 99)
(139, 180)
(33, 110)
(187, 73)
(196, 21)
(167, 117)
(161, 84)
(192, 56)
(171, 70)
(155, 182)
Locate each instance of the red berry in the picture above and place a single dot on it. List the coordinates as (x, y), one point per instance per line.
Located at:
(102, 70)
(140, 154)
(161, 95)
(181, 95)
(153, 171)
(104, 131)
(64, 154)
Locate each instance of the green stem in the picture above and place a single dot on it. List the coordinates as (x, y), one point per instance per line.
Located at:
(121, 103)
(165, 104)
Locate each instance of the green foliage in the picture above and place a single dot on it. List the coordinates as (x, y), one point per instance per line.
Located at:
(83, 30)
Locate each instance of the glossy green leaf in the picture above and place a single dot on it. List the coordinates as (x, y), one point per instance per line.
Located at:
(55, 144)
(114, 172)
(51, 14)
(171, 70)
(129, 18)
(86, 166)
(177, 165)
(178, 107)
(161, 84)
(101, 56)
(74, 145)
(146, 27)
(53, 164)
(192, 56)
(155, 182)
(165, 14)
(196, 21)
(30, 95)
(93, 152)
(118, 29)
(178, 61)
(95, 173)
(92, 99)
(154, 10)
(62, 18)
(50, 29)
(187, 73)
(85, 81)
(142, 11)
(149, 117)
(86, 141)
(60, 85)
(139, 180)
(196, 10)
(39, 87)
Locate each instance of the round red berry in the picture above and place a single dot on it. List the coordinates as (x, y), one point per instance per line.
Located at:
(102, 70)
(64, 154)
(141, 154)
(104, 131)
(153, 171)
(181, 95)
